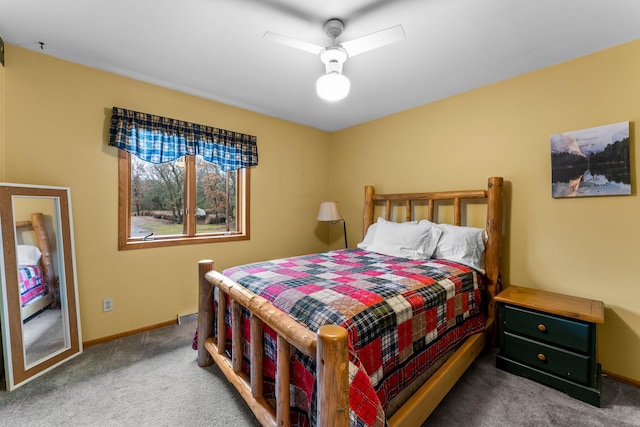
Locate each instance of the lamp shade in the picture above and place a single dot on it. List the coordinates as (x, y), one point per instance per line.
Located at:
(329, 212)
(333, 86)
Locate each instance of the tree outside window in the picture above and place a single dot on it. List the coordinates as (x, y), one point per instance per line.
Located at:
(181, 202)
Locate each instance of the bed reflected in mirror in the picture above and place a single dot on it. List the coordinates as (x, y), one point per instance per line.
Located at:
(43, 330)
(40, 322)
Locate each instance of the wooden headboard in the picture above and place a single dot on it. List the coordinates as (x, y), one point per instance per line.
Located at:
(493, 196)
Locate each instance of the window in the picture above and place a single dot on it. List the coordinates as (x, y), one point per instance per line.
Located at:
(179, 182)
(185, 201)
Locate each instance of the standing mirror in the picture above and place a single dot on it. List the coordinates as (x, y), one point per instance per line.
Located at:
(40, 317)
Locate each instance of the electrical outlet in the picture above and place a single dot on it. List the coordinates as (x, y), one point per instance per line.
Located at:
(107, 304)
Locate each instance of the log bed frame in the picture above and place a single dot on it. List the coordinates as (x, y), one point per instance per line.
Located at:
(329, 345)
(46, 262)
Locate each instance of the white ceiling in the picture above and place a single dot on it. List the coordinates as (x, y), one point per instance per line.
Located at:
(214, 48)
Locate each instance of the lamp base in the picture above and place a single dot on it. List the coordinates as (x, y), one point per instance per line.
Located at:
(344, 226)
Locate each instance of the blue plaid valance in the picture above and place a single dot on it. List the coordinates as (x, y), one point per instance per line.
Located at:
(157, 139)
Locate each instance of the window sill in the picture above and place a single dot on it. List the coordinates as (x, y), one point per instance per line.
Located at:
(166, 241)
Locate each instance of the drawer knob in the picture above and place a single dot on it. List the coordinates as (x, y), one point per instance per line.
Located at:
(541, 357)
(542, 328)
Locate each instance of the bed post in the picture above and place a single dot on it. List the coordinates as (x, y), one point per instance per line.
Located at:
(367, 218)
(205, 312)
(332, 372)
(494, 246)
(37, 222)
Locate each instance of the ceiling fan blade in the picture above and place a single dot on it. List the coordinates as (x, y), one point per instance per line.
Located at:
(374, 40)
(290, 41)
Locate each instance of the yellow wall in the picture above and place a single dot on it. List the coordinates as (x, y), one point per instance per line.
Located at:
(57, 121)
(57, 117)
(587, 247)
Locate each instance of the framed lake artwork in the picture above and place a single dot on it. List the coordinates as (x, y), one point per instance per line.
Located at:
(591, 162)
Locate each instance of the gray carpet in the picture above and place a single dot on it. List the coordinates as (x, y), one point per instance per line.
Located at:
(152, 379)
(487, 396)
(149, 379)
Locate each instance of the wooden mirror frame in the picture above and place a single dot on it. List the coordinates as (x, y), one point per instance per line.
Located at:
(17, 372)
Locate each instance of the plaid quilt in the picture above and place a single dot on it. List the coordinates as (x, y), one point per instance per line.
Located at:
(31, 283)
(401, 315)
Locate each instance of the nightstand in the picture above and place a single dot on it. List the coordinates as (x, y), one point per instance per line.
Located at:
(551, 338)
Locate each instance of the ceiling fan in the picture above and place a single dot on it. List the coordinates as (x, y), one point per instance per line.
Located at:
(333, 85)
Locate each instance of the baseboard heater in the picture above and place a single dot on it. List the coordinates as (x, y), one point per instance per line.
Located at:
(187, 318)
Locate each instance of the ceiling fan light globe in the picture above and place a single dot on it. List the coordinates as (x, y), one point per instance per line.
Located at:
(333, 86)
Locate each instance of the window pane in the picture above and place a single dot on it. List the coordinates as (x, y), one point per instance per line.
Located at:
(157, 198)
(215, 199)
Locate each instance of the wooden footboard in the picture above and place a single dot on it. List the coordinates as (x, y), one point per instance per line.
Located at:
(329, 345)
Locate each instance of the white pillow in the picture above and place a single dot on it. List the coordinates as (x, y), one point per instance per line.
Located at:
(371, 232)
(368, 238)
(464, 245)
(411, 240)
(28, 255)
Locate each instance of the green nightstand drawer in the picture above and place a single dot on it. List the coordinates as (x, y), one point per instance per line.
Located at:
(554, 330)
(567, 364)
